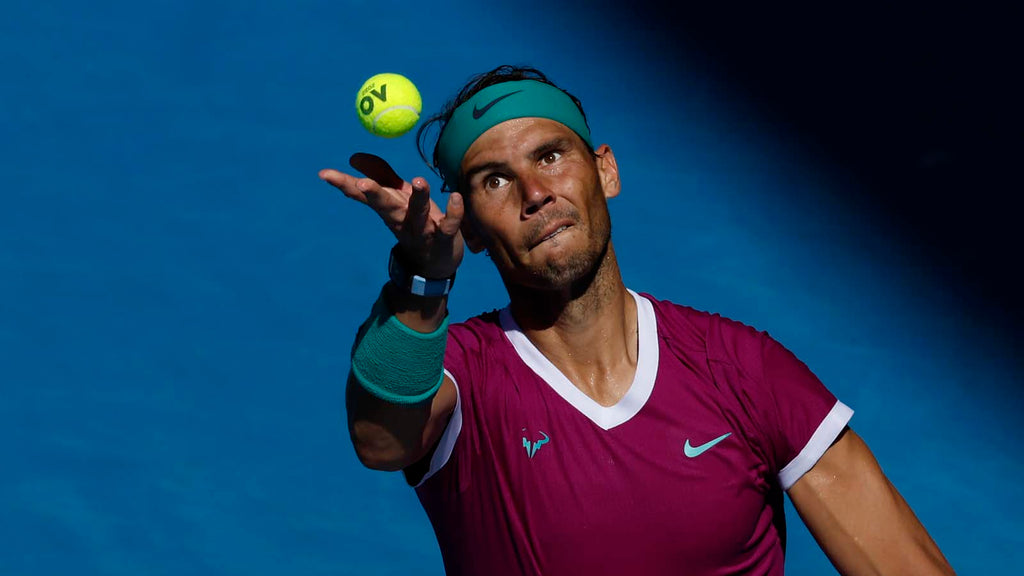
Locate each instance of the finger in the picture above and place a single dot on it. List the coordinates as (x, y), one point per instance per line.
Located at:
(388, 203)
(376, 168)
(418, 213)
(453, 214)
(346, 183)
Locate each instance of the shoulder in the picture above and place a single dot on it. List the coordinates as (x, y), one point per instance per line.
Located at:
(721, 336)
(678, 321)
(482, 327)
(687, 323)
(473, 340)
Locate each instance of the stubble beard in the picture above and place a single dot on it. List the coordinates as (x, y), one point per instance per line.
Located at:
(580, 269)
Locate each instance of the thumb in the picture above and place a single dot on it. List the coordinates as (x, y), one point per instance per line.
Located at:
(453, 214)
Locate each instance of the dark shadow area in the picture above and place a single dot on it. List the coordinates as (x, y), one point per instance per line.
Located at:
(919, 104)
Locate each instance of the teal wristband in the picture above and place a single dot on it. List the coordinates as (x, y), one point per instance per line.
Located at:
(396, 363)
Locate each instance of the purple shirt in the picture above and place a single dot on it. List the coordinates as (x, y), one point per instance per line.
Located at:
(684, 475)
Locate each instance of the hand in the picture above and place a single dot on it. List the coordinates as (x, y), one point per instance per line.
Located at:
(430, 239)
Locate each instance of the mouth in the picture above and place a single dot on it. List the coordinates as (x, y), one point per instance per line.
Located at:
(552, 232)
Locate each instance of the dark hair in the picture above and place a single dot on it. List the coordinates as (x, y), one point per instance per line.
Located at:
(503, 73)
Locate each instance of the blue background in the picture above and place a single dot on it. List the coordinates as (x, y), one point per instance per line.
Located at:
(179, 291)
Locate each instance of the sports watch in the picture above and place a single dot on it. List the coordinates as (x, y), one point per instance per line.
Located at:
(415, 284)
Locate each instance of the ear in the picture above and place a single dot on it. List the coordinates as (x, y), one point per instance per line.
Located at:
(470, 235)
(608, 171)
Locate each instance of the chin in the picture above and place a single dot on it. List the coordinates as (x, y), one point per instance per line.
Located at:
(568, 264)
(574, 270)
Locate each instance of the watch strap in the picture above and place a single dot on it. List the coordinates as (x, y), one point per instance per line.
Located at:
(415, 284)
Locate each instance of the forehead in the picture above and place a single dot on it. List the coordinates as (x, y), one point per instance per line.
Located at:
(514, 138)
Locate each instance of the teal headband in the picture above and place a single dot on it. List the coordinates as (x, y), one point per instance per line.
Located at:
(496, 104)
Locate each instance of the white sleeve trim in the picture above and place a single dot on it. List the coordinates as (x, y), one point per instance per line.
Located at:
(447, 442)
(820, 441)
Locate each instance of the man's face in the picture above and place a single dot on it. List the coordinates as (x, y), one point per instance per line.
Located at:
(537, 201)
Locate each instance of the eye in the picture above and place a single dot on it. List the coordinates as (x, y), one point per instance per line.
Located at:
(550, 157)
(494, 182)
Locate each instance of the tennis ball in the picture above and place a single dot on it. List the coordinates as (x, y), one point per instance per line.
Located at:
(388, 105)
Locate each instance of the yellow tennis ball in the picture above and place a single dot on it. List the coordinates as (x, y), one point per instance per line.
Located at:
(388, 105)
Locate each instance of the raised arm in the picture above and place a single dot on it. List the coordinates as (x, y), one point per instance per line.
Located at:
(859, 519)
(387, 432)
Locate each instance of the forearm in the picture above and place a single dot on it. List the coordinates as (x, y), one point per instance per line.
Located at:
(398, 398)
(417, 312)
(393, 394)
(386, 436)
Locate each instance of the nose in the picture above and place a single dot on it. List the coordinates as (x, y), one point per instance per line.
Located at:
(536, 194)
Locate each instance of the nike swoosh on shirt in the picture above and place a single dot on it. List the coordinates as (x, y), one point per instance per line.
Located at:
(477, 113)
(694, 451)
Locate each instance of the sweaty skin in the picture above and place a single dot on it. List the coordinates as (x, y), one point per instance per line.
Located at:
(537, 202)
(535, 199)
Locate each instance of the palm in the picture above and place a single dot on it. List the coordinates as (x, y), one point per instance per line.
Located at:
(429, 237)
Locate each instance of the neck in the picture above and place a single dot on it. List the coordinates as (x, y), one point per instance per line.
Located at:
(588, 330)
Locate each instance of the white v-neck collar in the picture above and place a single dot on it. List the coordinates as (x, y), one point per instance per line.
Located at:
(607, 417)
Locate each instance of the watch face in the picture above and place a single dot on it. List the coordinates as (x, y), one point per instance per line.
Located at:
(399, 277)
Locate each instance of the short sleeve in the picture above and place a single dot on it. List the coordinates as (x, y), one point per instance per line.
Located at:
(805, 417)
(463, 365)
(793, 418)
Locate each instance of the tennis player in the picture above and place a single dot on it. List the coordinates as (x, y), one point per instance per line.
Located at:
(586, 428)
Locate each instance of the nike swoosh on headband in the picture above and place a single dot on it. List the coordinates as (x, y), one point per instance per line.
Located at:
(479, 112)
